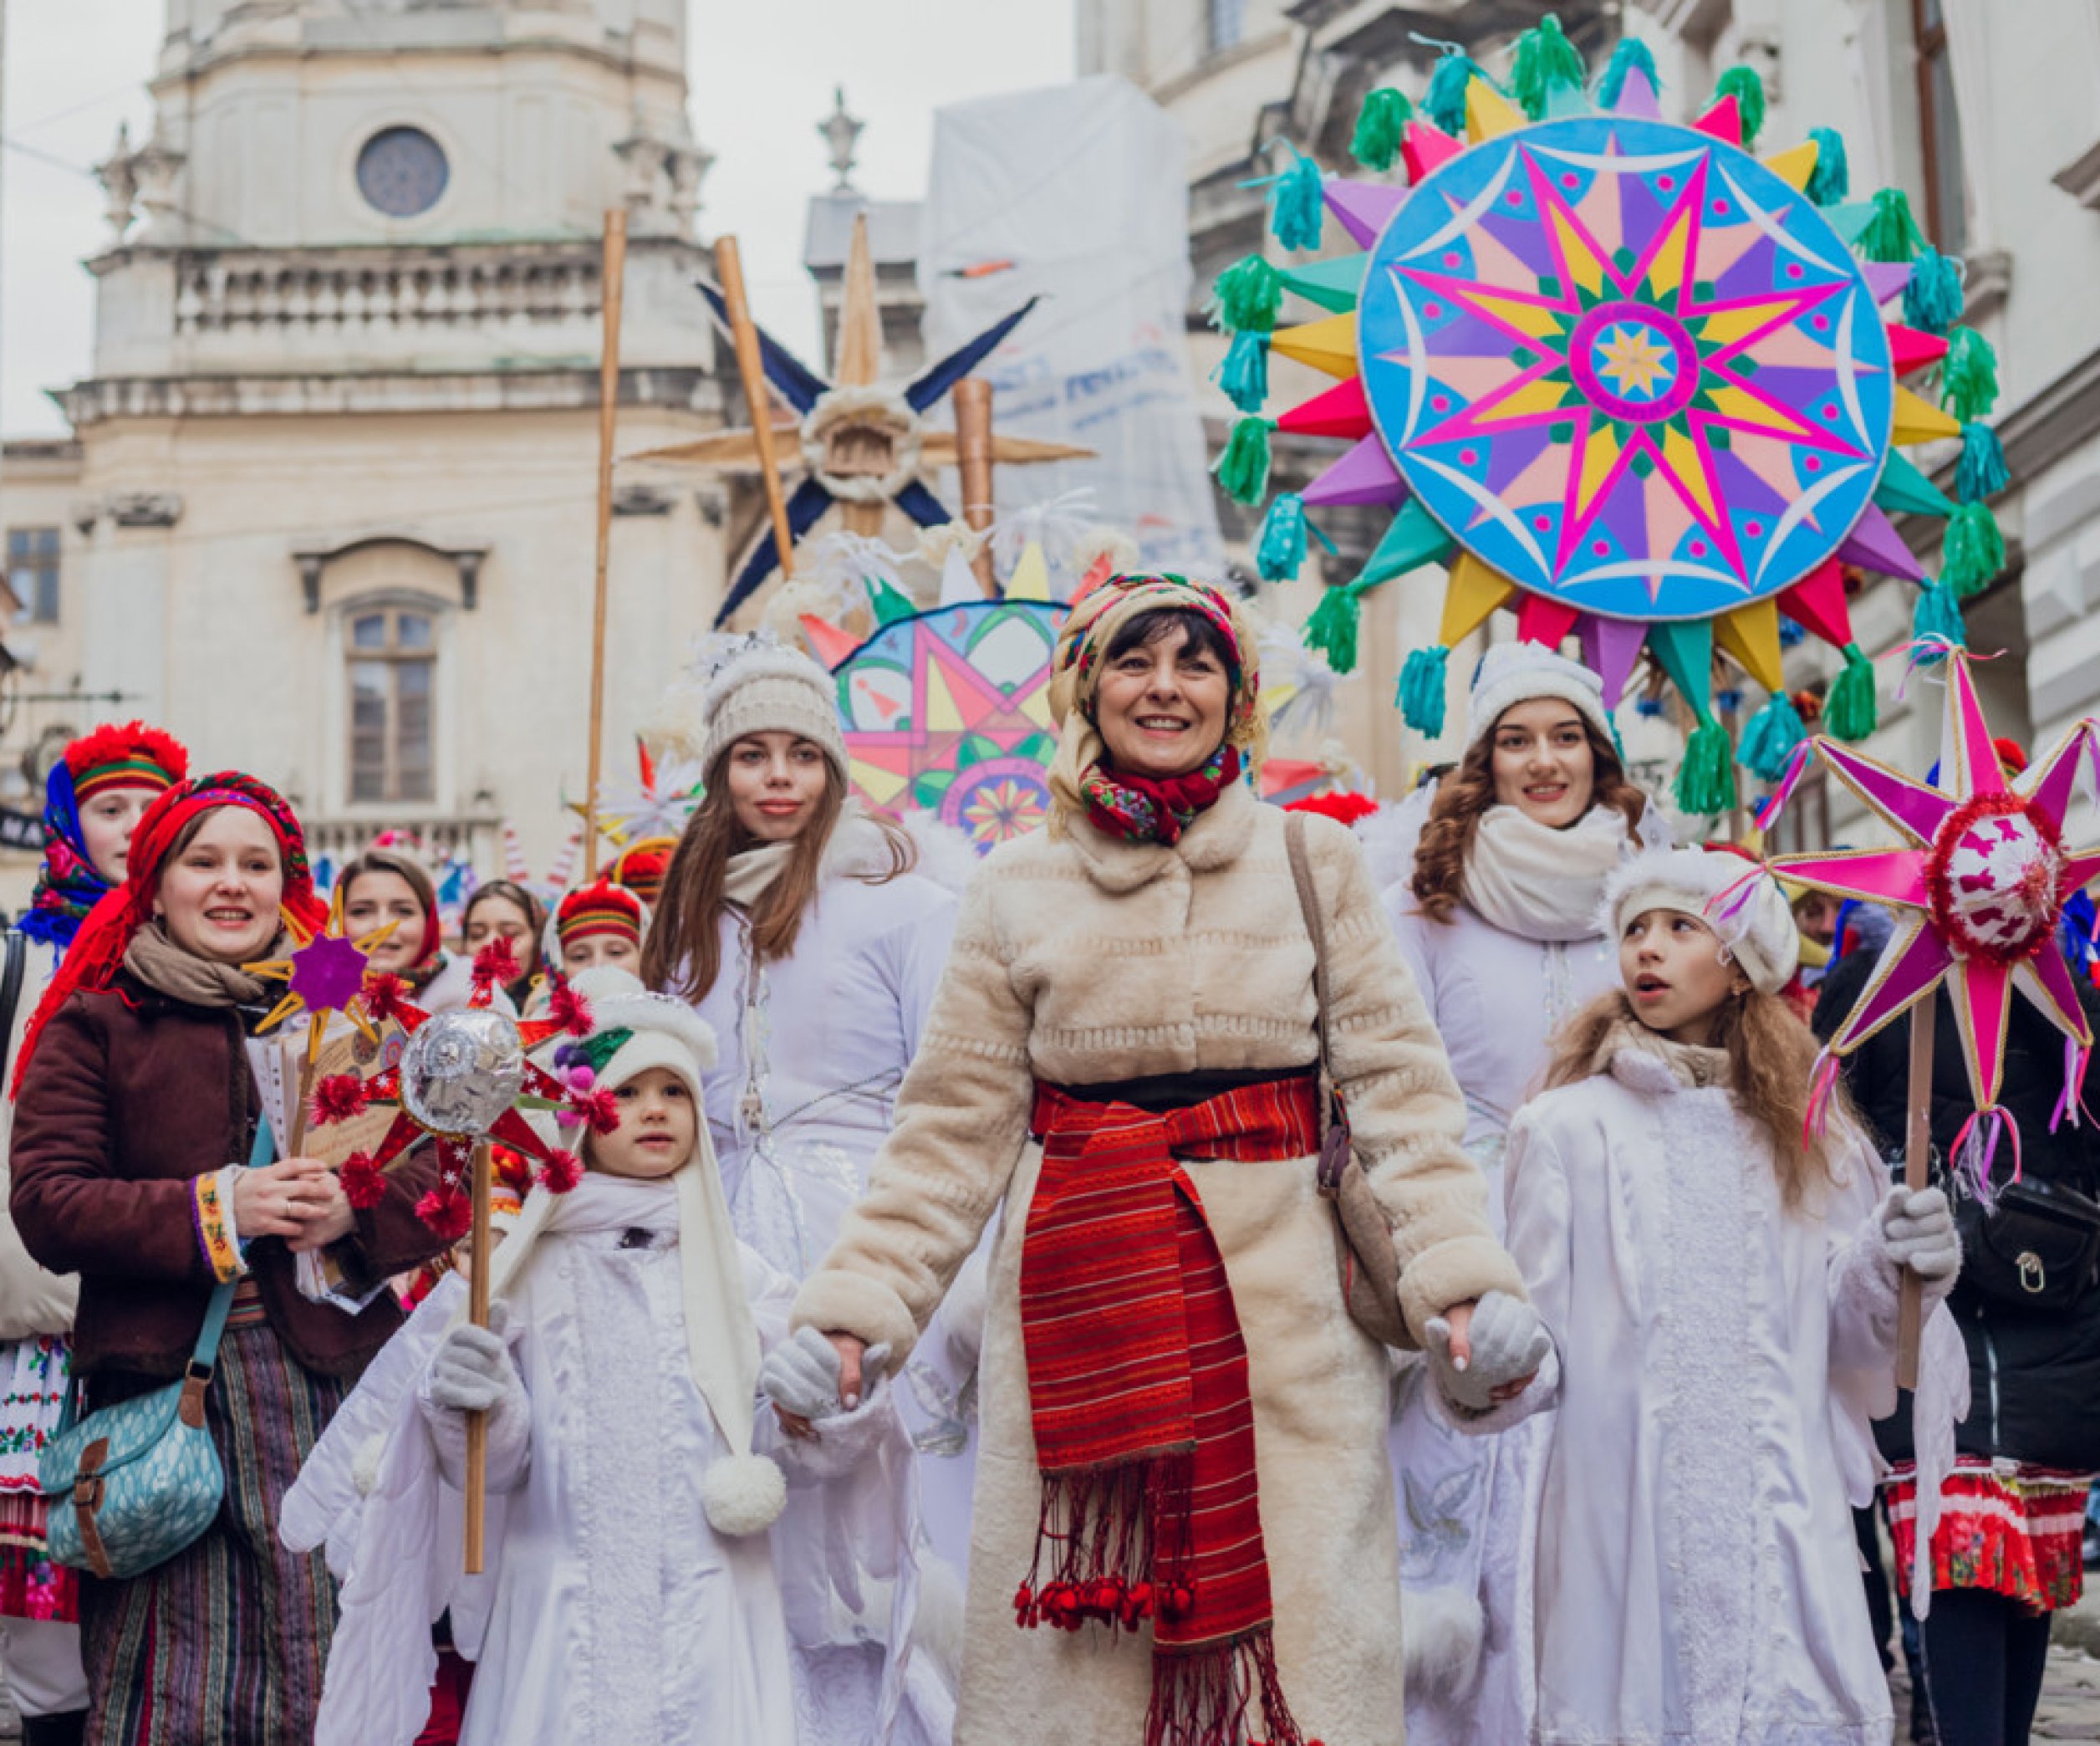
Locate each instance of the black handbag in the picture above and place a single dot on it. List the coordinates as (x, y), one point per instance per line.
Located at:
(2037, 1247)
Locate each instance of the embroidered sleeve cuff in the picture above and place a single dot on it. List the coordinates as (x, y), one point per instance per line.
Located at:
(211, 1210)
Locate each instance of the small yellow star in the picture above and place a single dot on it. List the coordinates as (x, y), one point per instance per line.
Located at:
(1633, 361)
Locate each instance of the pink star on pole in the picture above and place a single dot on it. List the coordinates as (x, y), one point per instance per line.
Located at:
(1980, 883)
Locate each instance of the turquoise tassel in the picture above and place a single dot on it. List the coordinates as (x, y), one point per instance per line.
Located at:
(1421, 692)
(1748, 89)
(1981, 471)
(1298, 209)
(1242, 466)
(1975, 551)
(1444, 101)
(1279, 550)
(1705, 783)
(1631, 55)
(1244, 376)
(1770, 737)
(1831, 185)
(1937, 613)
(1932, 302)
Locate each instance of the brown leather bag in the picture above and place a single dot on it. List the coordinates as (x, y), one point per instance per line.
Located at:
(1363, 1248)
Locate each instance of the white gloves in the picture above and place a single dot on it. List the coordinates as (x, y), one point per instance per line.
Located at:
(801, 1374)
(1509, 1343)
(472, 1371)
(1916, 1231)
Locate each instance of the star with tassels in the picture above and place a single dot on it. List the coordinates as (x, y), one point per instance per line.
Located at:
(1979, 882)
(519, 1084)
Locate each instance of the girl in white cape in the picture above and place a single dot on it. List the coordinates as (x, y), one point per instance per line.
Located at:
(1722, 1292)
(644, 1584)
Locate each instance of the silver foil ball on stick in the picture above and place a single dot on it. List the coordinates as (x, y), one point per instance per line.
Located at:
(460, 1071)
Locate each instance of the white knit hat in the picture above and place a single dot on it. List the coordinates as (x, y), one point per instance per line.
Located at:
(1739, 899)
(767, 687)
(1515, 672)
(662, 1030)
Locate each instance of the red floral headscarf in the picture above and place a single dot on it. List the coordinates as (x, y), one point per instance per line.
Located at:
(98, 950)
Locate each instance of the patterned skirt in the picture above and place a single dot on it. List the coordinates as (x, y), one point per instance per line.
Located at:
(34, 1374)
(224, 1644)
(2005, 1526)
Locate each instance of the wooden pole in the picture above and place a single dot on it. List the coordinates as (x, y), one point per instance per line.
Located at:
(478, 1259)
(973, 460)
(751, 370)
(614, 276)
(1917, 1174)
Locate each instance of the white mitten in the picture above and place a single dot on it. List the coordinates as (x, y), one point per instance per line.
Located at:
(1509, 1343)
(801, 1374)
(472, 1371)
(1916, 1230)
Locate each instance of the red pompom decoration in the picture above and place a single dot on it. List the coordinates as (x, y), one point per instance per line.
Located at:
(495, 963)
(363, 1182)
(337, 1097)
(601, 1109)
(447, 1211)
(562, 1172)
(385, 996)
(569, 1009)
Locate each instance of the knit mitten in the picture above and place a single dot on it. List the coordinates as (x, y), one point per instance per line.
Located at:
(1509, 1343)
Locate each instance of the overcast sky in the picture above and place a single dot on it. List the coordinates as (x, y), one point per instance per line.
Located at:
(763, 77)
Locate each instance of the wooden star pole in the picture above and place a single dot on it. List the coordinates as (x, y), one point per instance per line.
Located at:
(479, 1256)
(751, 370)
(613, 277)
(975, 451)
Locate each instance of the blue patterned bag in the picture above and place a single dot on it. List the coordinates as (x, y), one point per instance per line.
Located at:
(132, 1484)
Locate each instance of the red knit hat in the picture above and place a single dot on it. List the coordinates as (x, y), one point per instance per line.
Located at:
(124, 755)
(641, 866)
(598, 908)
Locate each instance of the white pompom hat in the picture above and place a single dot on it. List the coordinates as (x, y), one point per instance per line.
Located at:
(768, 687)
(1515, 672)
(1738, 898)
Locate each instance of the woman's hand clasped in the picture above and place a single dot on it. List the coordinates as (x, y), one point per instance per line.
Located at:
(297, 1199)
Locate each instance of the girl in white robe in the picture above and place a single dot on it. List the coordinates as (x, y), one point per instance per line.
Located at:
(1723, 1300)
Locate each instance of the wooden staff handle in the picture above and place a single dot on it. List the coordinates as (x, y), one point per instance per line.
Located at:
(615, 279)
(478, 1258)
(751, 370)
(1917, 1174)
(972, 400)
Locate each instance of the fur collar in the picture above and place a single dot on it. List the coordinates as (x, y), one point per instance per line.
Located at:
(1216, 838)
(1652, 1065)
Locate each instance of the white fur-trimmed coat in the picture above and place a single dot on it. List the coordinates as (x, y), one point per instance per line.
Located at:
(1084, 959)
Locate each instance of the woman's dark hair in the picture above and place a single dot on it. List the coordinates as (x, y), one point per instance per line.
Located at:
(1197, 632)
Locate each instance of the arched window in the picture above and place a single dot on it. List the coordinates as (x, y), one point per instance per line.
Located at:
(391, 652)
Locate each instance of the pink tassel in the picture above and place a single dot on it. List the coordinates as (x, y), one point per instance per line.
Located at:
(1775, 801)
(2069, 1105)
(1975, 1150)
(1822, 1086)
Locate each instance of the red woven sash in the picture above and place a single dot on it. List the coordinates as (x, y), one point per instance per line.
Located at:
(1137, 1387)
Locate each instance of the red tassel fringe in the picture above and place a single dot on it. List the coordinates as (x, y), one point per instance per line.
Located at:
(1206, 1697)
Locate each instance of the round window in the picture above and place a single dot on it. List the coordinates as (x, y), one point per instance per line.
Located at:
(402, 172)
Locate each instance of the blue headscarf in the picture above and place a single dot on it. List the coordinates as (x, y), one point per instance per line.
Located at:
(68, 885)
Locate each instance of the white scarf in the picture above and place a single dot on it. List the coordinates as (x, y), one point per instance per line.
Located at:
(857, 845)
(1533, 881)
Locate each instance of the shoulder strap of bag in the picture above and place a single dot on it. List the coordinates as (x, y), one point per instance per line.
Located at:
(18, 956)
(1309, 909)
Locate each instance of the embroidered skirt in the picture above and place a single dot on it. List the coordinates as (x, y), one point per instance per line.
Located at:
(224, 1644)
(2005, 1526)
(34, 1374)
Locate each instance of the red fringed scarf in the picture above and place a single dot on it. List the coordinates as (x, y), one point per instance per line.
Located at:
(1137, 1385)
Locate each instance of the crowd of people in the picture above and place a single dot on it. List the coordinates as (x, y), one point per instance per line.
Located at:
(1219, 1278)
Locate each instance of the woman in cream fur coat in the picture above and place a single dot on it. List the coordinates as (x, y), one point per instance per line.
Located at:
(1140, 969)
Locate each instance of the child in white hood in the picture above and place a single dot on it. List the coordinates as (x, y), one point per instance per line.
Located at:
(1721, 1284)
(643, 1583)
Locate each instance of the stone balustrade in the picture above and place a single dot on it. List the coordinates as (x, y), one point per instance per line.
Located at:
(540, 286)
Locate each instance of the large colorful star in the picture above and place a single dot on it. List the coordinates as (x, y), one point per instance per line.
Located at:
(1979, 881)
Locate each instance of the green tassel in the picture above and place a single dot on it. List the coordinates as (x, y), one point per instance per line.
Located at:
(1247, 298)
(1748, 89)
(1892, 234)
(1444, 101)
(1932, 302)
(1244, 376)
(1981, 471)
(1975, 551)
(1298, 208)
(1279, 549)
(1380, 124)
(1770, 737)
(1421, 692)
(1937, 614)
(1830, 183)
(1546, 61)
(1706, 779)
(1631, 55)
(1334, 626)
(1243, 467)
(1848, 712)
(1969, 375)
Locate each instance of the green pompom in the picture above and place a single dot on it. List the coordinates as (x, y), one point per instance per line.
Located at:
(1334, 626)
(1770, 737)
(1975, 551)
(1748, 89)
(1243, 467)
(1247, 297)
(1932, 302)
(1632, 55)
(1937, 617)
(1279, 549)
(1243, 376)
(1831, 182)
(1981, 471)
(1299, 206)
(1545, 62)
(1444, 100)
(1381, 126)
(1891, 234)
(1969, 375)
(1848, 712)
(1421, 692)
(1706, 779)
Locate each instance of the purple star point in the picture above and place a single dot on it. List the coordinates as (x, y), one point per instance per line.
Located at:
(328, 974)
